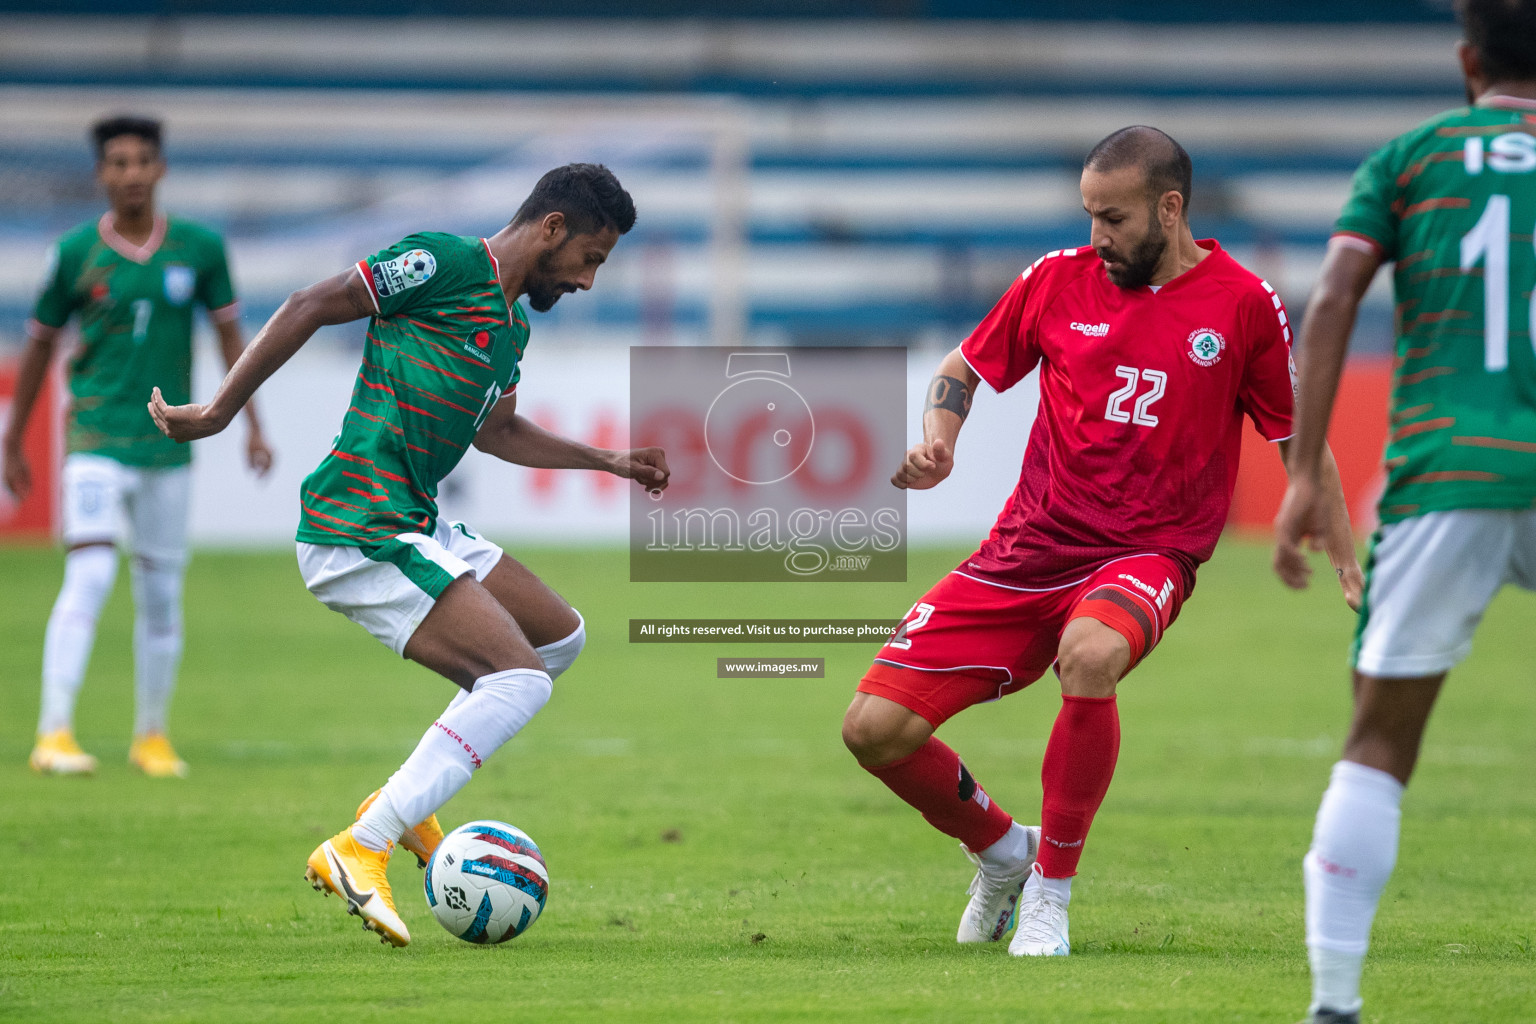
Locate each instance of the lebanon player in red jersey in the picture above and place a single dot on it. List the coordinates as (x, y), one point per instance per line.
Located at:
(1151, 347)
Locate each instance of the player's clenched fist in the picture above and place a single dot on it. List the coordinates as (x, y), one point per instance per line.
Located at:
(925, 466)
(647, 466)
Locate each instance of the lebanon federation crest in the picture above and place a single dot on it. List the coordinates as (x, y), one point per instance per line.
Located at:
(1206, 346)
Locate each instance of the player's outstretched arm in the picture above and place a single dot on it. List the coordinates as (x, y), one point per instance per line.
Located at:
(29, 382)
(335, 300)
(1314, 508)
(257, 454)
(944, 410)
(520, 441)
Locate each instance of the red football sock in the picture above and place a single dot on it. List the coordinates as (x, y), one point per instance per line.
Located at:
(1079, 762)
(933, 780)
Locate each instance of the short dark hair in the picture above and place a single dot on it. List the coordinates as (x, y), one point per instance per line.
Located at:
(1503, 32)
(109, 128)
(1166, 166)
(588, 194)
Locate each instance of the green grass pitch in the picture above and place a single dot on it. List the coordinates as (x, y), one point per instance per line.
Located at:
(716, 855)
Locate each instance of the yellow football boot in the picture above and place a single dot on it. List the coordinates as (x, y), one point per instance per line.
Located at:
(57, 753)
(153, 755)
(357, 874)
(421, 839)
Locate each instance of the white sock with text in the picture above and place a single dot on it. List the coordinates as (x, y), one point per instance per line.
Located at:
(469, 730)
(1354, 847)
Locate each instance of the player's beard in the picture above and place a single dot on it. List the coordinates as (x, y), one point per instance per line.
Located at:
(542, 287)
(1137, 268)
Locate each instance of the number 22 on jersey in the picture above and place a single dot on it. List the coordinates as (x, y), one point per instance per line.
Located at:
(1140, 413)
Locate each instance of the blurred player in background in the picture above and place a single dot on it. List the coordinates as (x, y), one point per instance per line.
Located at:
(440, 372)
(1453, 204)
(132, 278)
(1151, 347)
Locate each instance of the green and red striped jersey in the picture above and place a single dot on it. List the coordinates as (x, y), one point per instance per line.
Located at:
(1453, 204)
(442, 349)
(134, 306)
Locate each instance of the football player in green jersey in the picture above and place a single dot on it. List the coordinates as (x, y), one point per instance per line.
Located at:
(440, 372)
(131, 279)
(1452, 205)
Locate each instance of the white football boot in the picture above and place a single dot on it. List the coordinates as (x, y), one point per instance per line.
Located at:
(1042, 927)
(995, 891)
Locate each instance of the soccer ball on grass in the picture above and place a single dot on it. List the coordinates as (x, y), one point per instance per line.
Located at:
(486, 882)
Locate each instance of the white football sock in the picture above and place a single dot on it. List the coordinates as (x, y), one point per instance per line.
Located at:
(1009, 850)
(1354, 847)
(559, 655)
(468, 731)
(1058, 889)
(156, 641)
(89, 573)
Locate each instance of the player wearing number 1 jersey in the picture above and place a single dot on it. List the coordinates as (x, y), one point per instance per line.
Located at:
(440, 372)
(132, 280)
(1452, 204)
(1151, 348)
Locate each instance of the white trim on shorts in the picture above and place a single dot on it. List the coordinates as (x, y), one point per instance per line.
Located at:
(378, 595)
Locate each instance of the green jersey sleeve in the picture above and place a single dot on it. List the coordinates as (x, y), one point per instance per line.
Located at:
(214, 289)
(57, 300)
(413, 273)
(1370, 211)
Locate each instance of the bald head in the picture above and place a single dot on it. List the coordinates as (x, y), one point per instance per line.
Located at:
(1164, 165)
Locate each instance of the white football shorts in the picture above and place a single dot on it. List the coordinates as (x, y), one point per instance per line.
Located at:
(389, 588)
(141, 509)
(1428, 581)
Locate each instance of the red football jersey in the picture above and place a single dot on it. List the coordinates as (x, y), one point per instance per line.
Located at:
(1142, 394)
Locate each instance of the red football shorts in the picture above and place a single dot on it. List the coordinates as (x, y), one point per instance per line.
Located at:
(968, 641)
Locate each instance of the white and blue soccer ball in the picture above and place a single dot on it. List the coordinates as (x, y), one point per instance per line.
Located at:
(486, 882)
(417, 265)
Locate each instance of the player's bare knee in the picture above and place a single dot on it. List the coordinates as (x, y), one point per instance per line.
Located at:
(524, 659)
(1091, 661)
(858, 736)
(875, 738)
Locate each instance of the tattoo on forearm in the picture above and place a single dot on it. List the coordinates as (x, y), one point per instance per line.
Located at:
(949, 393)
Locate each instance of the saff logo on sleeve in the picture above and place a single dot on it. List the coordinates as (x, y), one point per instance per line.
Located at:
(404, 271)
(179, 281)
(1206, 346)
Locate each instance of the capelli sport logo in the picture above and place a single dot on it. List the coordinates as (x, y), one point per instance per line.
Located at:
(1206, 346)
